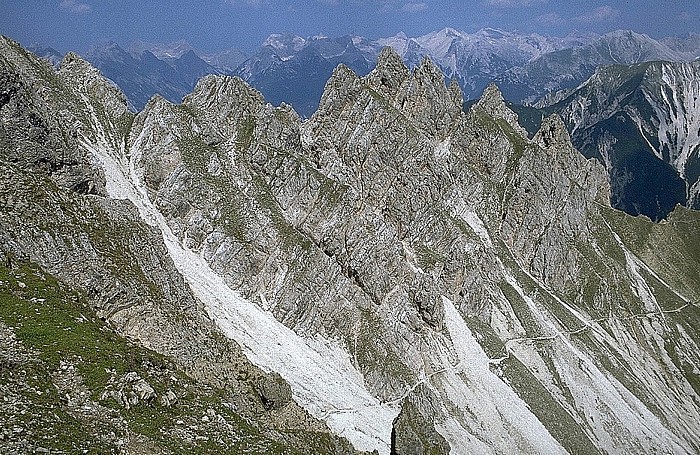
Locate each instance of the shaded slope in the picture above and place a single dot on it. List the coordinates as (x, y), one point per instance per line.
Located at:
(643, 122)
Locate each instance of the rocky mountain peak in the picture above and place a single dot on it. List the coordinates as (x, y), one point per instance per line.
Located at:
(491, 100)
(449, 31)
(552, 133)
(284, 44)
(74, 62)
(342, 87)
(627, 46)
(554, 139)
(7, 42)
(493, 104)
(33, 136)
(216, 93)
(628, 35)
(429, 73)
(171, 50)
(389, 73)
(426, 100)
(88, 80)
(21, 60)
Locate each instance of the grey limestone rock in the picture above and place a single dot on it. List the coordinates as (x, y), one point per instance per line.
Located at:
(492, 103)
(31, 137)
(168, 399)
(101, 245)
(362, 220)
(389, 73)
(130, 390)
(273, 391)
(426, 100)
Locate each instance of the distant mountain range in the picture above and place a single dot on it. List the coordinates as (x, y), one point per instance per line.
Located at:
(141, 75)
(570, 66)
(225, 61)
(292, 69)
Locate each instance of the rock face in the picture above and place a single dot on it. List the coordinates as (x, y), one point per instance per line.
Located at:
(643, 122)
(101, 246)
(131, 390)
(413, 430)
(33, 138)
(419, 278)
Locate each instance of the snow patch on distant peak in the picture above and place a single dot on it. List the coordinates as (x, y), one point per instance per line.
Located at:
(279, 41)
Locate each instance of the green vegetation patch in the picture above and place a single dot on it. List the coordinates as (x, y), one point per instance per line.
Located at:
(195, 153)
(428, 258)
(560, 424)
(372, 357)
(57, 325)
(244, 132)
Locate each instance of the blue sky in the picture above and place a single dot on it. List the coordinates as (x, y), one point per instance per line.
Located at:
(214, 25)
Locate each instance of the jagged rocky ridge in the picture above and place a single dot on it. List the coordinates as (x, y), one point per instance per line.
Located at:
(440, 279)
(526, 67)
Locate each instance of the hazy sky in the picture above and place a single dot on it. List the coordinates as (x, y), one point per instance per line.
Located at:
(213, 25)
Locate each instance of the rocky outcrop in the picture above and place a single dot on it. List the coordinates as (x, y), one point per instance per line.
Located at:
(130, 390)
(542, 234)
(413, 430)
(32, 138)
(365, 218)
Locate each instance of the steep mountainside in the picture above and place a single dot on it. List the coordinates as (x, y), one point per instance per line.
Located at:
(56, 222)
(688, 44)
(425, 280)
(643, 122)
